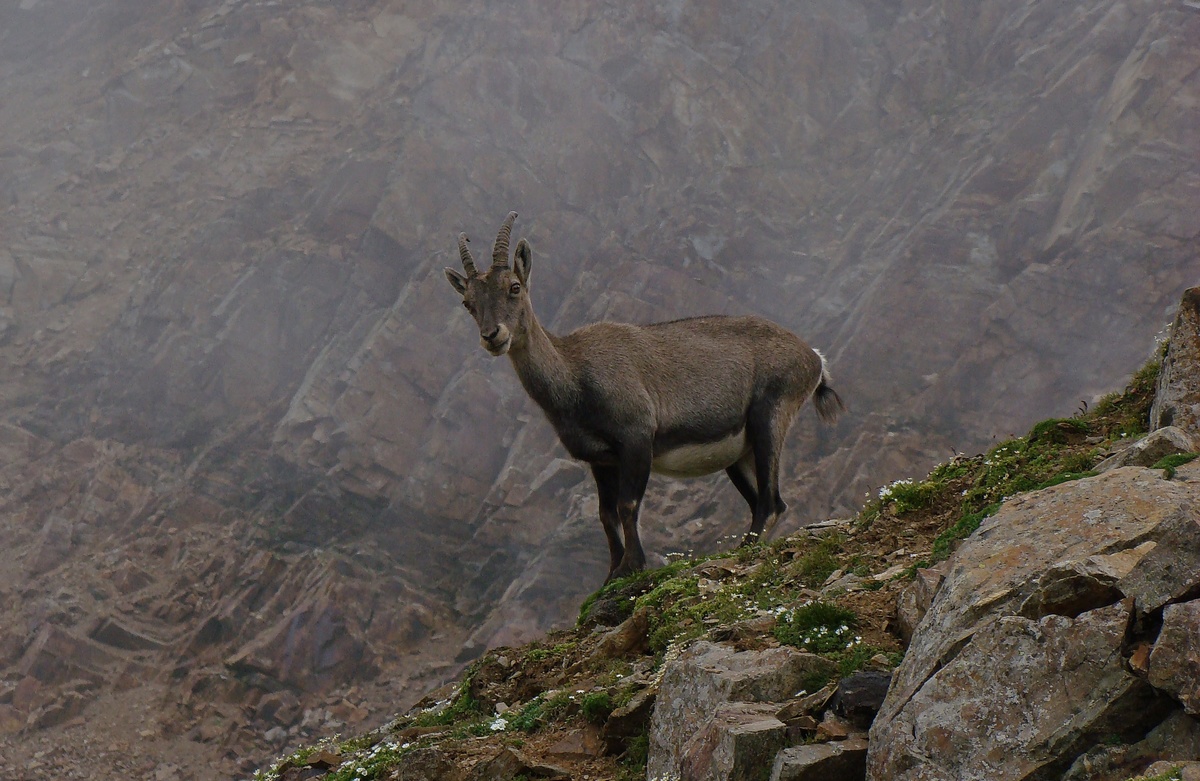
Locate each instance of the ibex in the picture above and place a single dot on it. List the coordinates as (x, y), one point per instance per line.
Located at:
(682, 398)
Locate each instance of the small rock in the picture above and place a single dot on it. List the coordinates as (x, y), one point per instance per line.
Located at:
(859, 696)
(889, 573)
(578, 744)
(846, 583)
(629, 637)
(915, 599)
(629, 721)
(509, 764)
(833, 727)
(880, 662)
(1151, 449)
(1139, 660)
(806, 705)
(502, 767)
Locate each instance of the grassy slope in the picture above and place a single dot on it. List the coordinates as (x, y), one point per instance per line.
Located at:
(831, 591)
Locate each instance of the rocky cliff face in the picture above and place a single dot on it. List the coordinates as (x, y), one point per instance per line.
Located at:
(250, 443)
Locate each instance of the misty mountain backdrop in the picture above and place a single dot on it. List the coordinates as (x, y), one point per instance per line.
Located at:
(257, 476)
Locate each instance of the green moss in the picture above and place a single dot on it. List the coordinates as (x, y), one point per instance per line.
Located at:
(624, 591)
(462, 707)
(1059, 431)
(964, 528)
(1168, 463)
(1174, 774)
(1065, 477)
(554, 652)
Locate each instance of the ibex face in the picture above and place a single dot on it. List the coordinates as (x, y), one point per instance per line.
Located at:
(498, 299)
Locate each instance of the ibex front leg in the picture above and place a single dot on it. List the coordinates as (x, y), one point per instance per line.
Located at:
(634, 473)
(607, 482)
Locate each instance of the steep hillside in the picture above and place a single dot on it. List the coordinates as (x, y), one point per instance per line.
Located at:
(251, 451)
(1047, 645)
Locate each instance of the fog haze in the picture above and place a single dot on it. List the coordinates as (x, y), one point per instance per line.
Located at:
(240, 405)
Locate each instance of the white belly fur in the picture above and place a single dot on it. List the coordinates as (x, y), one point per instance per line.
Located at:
(703, 459)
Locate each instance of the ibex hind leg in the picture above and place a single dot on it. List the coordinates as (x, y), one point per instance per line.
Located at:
(765, 429)
(741, 474)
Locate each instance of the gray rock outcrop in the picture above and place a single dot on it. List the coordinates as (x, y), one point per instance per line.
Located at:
(1177, 400)
(1023, 659)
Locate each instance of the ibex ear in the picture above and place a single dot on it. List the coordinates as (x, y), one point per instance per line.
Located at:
(457, 281)
(522, 261)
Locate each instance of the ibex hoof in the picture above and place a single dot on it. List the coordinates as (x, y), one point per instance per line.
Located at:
(751, 538)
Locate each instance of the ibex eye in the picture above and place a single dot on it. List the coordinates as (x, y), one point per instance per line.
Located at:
(514, 288)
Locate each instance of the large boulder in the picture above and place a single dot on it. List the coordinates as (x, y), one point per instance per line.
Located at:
(1019, 667)
(738, 741)
(688, 722)
(841, 761)
(1175, 660)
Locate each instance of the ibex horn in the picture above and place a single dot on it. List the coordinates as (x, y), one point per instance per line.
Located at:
(464, 253)
(500, 251)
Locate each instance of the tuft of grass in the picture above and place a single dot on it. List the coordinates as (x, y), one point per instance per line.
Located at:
(856, 658)
(907, 497)
(633, 763)
(538, 713)
(815, 565)
(818, 627)
(943, 545)
(462, 707)
(596, 707)
(554, 652)
(1127, 414)
(1168, 463)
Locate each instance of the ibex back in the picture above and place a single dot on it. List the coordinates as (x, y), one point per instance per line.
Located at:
(682, 398)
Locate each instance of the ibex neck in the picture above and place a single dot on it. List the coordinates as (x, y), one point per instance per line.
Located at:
(542, 369)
